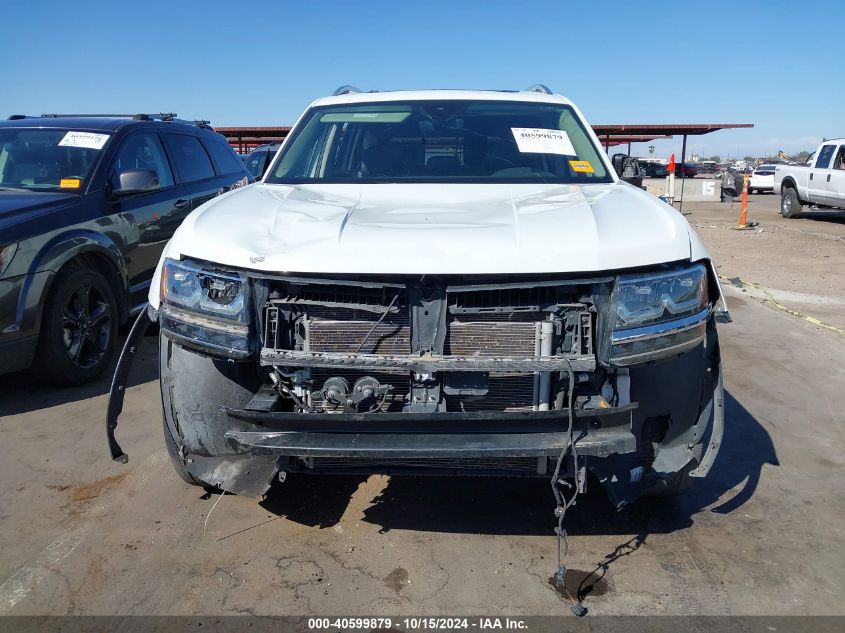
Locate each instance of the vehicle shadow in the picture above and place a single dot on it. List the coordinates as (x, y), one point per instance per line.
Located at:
(22, 392)
(510, 506)
(824, 215)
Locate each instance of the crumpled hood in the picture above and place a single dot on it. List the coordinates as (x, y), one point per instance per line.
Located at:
(434, 229)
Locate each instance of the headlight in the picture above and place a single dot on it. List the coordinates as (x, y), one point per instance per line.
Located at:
(205, 309)
(658, 315)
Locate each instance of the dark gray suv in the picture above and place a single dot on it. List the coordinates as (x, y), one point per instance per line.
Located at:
(87, 203)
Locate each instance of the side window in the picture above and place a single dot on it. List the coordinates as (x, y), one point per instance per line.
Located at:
(192, 161)
(255, 164)
(142, 151)
(224, 157)
(825, 154)
(840, 158)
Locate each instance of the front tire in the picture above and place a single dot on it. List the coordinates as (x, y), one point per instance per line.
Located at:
(78, 330)
(790, 203)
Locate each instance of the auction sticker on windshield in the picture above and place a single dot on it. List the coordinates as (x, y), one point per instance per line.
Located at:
(531, 140)
(87, 140)
(581, 166)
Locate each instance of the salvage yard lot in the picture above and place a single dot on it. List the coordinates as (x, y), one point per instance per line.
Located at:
(761, 535)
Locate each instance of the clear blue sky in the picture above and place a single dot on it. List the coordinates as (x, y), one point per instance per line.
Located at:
(778, 64)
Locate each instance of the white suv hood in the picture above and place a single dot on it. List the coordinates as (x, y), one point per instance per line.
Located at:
(433, 229)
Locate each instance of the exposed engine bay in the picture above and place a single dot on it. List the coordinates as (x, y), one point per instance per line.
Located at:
(428, 345)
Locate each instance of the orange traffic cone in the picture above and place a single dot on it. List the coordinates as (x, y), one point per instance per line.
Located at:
(743, 214)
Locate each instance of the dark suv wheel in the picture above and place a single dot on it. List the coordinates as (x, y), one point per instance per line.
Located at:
(78, 329)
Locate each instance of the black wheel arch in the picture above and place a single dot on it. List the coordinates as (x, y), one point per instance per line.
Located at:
(78, 248)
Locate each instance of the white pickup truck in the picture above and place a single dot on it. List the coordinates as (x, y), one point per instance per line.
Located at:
(820, 182)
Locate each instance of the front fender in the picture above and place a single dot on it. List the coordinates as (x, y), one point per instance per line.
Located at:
(49, 259)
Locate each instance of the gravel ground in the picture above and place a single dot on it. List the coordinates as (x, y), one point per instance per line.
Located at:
(761, 535)
(801, 262)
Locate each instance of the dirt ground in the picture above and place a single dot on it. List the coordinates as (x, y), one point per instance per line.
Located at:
(762, 534)
(799, 262)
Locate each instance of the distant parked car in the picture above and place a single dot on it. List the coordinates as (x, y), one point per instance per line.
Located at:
(762, 179)
(685, 170)
(708, 167)
(87, 204)
(259, 159)
(654, 169)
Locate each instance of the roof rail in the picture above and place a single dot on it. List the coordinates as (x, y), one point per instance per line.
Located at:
(539, 88)
(345, 90)
(162, 116)
(169, 117)
(18, 117)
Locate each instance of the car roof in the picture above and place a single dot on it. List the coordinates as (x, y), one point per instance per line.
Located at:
(104, 123)
(527, 96)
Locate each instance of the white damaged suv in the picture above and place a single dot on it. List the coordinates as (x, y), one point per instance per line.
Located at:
(437, 282)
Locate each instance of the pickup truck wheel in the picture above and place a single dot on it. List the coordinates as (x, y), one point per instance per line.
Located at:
(78, 330)
(790, 204)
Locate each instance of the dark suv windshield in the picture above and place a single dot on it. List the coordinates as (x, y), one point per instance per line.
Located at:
(440, 141)
(52, 159)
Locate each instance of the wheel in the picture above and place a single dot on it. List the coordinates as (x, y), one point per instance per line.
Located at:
(78, 329)
(178, 466)
(790, 204)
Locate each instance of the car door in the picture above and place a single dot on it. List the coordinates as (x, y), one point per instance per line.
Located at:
(148, 218)
(835, 180)
(195, 168)
(817, 180)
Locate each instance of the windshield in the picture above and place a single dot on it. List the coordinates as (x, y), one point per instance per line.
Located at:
(52, 160)
(438, 142)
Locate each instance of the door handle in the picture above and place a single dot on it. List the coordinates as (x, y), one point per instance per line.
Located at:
(811, 175)
(181, 203)
(828, 177)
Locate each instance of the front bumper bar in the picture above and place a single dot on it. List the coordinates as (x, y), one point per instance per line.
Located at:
(421, 364)
(597, 432)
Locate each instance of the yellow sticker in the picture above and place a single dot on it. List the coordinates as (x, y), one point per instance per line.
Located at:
(581, 166)
(69, 183)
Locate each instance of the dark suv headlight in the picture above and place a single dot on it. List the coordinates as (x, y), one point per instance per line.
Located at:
(205, 309)
(658, 315)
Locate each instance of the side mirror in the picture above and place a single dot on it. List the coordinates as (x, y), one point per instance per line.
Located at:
(137, 181)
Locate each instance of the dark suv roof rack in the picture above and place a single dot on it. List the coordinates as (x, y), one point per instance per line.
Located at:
(539, 88)
(138, 116)
(162, 116)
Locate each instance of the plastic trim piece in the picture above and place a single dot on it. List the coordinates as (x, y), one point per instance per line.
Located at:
(118, 384)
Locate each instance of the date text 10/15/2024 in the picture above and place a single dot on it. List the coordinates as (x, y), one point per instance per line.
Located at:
(417, 623)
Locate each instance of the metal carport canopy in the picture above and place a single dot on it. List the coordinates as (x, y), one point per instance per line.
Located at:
(243, 138)
(608, 133)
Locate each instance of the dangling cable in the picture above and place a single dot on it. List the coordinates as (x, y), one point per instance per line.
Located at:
(562, 503)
